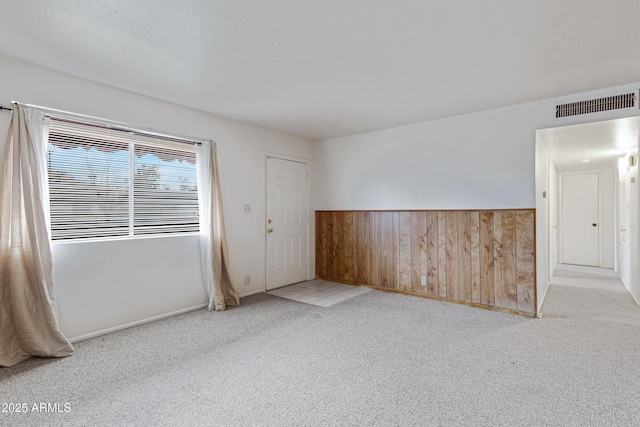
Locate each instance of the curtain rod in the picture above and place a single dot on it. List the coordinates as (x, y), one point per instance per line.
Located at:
(102, 123)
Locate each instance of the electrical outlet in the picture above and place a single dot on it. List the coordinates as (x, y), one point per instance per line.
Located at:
(247, 279)
(423, 280)
(247, 208)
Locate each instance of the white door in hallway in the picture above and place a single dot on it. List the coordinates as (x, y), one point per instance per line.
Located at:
(580, 219)
(286, 222)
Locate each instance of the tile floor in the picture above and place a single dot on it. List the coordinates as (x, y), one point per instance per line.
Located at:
(319, 292)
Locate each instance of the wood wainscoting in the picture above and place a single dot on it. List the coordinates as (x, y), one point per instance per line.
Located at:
(482, 258)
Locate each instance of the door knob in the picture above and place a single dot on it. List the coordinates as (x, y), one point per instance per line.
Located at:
(594, 224)
(270, 230)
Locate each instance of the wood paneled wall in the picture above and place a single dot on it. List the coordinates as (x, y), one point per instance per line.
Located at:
(482, 258)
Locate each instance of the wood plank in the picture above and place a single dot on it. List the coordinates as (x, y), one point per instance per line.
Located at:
(355, 246)
(424, 256)
(338, 228)
(452, 254)
(475, 256)
(338, 242)
(404, 252)
(419, 251)
(416, 231)
(363, 223)
(386, 250)
(330, 246)
(504, 239)
(442, 254)
(316, 227)
(321, 244)
(374, 249)
(465, 287)
(525, 261)
(349, 247)
(487, 276)
(432, 252)
(396, 250)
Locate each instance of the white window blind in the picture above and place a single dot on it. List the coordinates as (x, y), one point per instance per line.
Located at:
(106, 182)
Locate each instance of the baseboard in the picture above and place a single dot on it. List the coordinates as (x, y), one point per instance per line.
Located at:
(250, 293)
(433, 297)
(454, 301)
(628, 288)
(136, 323)
(544, 297)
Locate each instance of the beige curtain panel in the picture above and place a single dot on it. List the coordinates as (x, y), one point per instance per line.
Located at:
(213, 245)
(28, 313)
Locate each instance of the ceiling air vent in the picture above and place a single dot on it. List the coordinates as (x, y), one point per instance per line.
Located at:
(595, 105)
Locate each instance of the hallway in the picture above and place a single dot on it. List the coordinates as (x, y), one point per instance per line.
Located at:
(578, 292)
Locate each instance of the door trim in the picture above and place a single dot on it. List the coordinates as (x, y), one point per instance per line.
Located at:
(268, 155)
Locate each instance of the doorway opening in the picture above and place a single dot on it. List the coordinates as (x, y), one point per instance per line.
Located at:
(587, 201)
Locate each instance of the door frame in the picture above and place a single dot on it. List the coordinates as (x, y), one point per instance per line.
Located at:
(307, 163)
(623, 206)
(561, 212)
(543, 160)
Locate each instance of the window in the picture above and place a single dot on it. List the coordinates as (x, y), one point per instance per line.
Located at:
(106, 182)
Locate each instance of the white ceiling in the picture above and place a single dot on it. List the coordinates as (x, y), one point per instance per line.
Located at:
(323, 69)
(602, 143)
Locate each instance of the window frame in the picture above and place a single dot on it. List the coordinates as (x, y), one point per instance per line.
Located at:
(132, 230)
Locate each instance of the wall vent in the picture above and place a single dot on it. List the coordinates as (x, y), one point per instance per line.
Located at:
(595, 105)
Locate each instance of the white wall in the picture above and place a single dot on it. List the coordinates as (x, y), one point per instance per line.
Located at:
(608, 186)
(634, 234)
(477, 161)
(629, 258)
(474, 161)
(623, 196)
(554, 204)
(104, 285)
(543, 221)
(99, 284)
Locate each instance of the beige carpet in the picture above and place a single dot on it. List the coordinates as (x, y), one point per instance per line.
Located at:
(378, 359)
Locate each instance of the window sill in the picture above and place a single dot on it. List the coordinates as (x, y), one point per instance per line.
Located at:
(124, 238)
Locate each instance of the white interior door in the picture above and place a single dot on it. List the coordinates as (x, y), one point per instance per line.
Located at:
(580, 219)
(287, 220)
